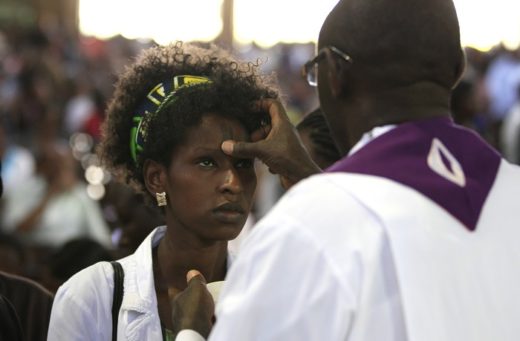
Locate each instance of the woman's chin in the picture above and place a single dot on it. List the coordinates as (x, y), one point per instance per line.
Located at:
(226, 232)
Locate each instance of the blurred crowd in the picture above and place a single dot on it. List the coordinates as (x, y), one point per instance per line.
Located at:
(61, 211)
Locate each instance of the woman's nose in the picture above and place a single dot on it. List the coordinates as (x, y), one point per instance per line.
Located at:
(231, 181)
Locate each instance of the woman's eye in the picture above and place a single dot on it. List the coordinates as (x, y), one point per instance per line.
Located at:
(245, 163)
(206, 163)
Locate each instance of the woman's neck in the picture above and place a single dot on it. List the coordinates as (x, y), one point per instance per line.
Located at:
(173, 258)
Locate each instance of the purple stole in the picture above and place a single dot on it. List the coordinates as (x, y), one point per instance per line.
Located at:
(447, 163)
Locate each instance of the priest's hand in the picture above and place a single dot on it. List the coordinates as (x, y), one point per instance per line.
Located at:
(193, 308)
(277, 145)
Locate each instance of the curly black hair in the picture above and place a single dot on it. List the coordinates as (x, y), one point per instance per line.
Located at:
(234, 88)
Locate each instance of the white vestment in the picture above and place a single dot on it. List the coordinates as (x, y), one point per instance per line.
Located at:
(423, 246)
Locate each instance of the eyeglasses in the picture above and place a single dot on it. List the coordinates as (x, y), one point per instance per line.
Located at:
(310, 69)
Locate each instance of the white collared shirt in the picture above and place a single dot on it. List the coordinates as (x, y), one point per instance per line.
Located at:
(371, 135)
(82, 308)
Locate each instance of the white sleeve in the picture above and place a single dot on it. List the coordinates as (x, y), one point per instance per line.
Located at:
(17, 204)
(189, 335)
(94, 221)
(80, 310)
(283, 287)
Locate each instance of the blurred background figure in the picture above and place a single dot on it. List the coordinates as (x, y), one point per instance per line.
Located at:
(17, 162)
(315, 135)
(52, 207)
(31, 307)
(502, 82)
(133, 218)
(510, 133)
(79, 108)
(25, 305)
(13, 255)
(73, 256)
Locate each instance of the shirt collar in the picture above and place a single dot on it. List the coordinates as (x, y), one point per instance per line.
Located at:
(371, 135)
(139, 281)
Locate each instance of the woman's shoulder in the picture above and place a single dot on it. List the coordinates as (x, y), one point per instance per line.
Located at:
(94, 283)
(82, 305)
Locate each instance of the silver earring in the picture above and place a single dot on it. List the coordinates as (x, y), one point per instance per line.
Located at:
(161, 199)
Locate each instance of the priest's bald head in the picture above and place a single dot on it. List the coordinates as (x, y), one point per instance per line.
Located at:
(405, 57)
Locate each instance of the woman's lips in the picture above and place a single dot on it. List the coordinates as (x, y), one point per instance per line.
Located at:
(229, 213)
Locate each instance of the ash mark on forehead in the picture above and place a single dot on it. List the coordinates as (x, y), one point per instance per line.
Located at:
(227, 131)
(233, 129)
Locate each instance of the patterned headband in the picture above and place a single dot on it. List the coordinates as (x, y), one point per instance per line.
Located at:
(162, 94)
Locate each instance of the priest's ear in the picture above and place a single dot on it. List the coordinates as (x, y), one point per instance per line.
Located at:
(338, 73)
(459, 68)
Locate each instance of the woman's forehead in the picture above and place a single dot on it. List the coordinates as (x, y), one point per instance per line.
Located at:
(227, 127)
(214, 129)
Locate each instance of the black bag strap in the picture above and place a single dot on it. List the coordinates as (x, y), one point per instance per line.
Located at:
(119, 276)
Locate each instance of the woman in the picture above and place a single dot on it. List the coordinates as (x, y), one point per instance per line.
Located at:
(171, 111)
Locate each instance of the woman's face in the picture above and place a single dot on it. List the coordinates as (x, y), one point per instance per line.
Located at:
(209, 193)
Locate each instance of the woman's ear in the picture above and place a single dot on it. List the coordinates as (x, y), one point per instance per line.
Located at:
(155, 175)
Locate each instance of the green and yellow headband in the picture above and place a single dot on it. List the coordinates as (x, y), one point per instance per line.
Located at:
(162, 94)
